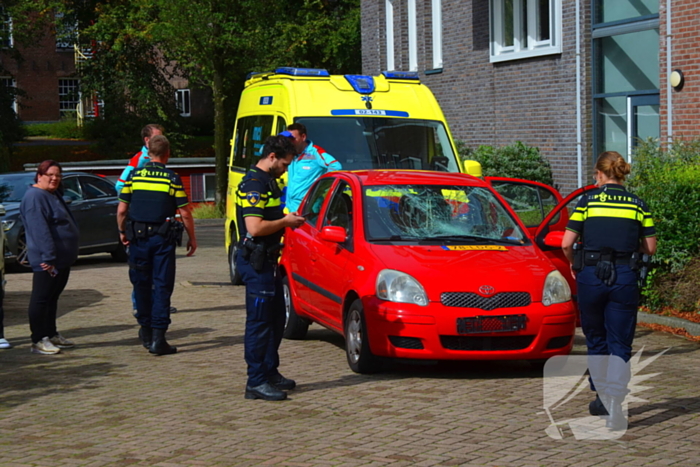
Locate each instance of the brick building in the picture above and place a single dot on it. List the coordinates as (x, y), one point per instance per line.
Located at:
(572, 77)
(48, 77)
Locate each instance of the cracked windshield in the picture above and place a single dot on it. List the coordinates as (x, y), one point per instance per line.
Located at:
(444, 214)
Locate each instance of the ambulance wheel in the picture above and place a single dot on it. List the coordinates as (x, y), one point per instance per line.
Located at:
(235, 275)
(295, 327)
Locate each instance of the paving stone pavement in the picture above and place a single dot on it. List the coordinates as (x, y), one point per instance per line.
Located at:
(109, 403)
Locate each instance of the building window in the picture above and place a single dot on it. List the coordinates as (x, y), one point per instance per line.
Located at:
(412, 37)
(203, 187)
(66, 33)
(525, 28)
(437, 33)
(10, 85)
(390, 35)
(68, 96)
(5, 29)
(182, 98)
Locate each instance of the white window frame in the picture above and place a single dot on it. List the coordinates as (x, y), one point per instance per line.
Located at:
(209, 178)
(8, 42)
(10, 83)
(390, 65)
(412, 37)
(436, 6)
(182, 97)
(524, 47)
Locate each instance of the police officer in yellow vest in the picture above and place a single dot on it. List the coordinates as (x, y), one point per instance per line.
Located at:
(150, 198)
(616, 229)
(261, 224)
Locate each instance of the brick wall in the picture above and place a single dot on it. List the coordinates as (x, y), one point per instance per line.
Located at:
(37, 75)
(685, 56)
(530, 100)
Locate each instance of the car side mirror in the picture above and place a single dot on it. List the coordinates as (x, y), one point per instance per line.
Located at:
(333, 234)
(2, 210)
(554, 239)
(67, 199)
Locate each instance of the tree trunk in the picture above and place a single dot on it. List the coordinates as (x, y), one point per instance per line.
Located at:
(221, 148)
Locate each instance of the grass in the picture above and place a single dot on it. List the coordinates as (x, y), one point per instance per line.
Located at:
(64, 129)
(207, 211)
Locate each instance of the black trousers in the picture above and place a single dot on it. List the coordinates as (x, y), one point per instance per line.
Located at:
(2, 313)
(44, 303)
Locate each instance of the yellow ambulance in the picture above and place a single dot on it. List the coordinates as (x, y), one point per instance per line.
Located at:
(390, 121)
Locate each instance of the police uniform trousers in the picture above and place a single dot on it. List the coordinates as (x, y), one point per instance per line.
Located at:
(152, 273)
(608, 320)
(265, 318)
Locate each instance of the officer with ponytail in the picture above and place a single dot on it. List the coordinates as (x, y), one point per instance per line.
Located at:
(615, 230)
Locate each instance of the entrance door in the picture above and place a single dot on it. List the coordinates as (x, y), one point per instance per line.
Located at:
(642, 120)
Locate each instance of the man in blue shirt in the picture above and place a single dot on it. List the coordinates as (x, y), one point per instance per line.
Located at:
(311, 162)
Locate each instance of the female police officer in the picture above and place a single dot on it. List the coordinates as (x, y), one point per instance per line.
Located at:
(615, 227)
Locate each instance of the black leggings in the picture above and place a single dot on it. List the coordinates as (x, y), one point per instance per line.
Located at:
(44, 303)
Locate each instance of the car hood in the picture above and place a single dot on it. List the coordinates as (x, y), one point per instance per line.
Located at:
(11, 209)
(517, 269)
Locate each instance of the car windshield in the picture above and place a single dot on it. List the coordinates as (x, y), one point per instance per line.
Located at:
(451, 214)
(13, 187)
(360, 143)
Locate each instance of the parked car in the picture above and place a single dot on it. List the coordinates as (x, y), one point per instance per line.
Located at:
(92, 200)
(426, 265)
(2, 260)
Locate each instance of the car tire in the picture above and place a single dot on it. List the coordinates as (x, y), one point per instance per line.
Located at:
(295, 327)
(360, 357)
(235, 276)
(21, 263)
(120, 254)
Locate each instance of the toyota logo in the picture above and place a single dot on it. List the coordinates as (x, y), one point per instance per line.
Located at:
(487, 290)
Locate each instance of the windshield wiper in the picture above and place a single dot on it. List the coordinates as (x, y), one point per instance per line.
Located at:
(392, 238)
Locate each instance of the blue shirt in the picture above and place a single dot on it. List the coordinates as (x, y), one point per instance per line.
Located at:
(303, 172)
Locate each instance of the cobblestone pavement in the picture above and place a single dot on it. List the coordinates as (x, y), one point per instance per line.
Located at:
(108, 402)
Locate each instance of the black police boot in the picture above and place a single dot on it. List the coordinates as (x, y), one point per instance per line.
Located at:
(280, 382)
(616, 421)
(160, 346)
(597, 407)
(265, 391)
(146, 336)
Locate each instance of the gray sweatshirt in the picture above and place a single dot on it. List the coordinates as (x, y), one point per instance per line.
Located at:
(52, 233)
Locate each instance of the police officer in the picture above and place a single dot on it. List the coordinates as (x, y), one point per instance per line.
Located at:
(261, 224)
(151, 197)
(615, 228)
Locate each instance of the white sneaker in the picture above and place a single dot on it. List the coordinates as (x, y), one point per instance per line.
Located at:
(4, 344)
(45, 347)
(61, 342)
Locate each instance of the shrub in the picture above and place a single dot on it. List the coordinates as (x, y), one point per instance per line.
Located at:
(207, 211)
(668, 180)
(516, 161)
(65, 129)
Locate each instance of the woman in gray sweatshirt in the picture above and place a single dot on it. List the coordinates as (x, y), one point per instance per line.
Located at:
(52, 244)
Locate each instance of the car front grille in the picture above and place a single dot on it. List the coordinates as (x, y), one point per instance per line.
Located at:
(486, 343)
(472, 300)
(406, 342)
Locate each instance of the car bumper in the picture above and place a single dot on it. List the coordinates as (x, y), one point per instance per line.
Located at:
(402, 330)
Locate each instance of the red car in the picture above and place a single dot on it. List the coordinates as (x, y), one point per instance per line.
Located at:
(428, 265)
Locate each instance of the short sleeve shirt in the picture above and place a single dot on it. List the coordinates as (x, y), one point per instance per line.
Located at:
(154, 193)
(259, 195)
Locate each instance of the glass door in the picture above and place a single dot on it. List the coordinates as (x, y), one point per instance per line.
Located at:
(642, 120)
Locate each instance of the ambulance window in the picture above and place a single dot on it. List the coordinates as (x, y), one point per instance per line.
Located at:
(248, 141)
(281, 125)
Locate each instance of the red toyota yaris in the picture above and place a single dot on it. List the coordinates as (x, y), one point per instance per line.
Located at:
(424, 265)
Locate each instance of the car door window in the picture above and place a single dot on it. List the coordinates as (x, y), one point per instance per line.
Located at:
(71, 189)
(314, 202)
(531, 203)
(96, 188)
(340, 212)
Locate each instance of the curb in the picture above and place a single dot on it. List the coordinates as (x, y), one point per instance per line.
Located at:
(209, 221)
(672, 321)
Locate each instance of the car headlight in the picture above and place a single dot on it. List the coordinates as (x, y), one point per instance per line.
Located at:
(7, 225)
(396, 286)
(556, 289)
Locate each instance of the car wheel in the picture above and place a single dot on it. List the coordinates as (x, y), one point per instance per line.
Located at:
(295, 327)
(359, 355)
(233, 271)
(119, 253)
(22, 262)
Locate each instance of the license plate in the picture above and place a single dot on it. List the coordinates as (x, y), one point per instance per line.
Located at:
(484, 324)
